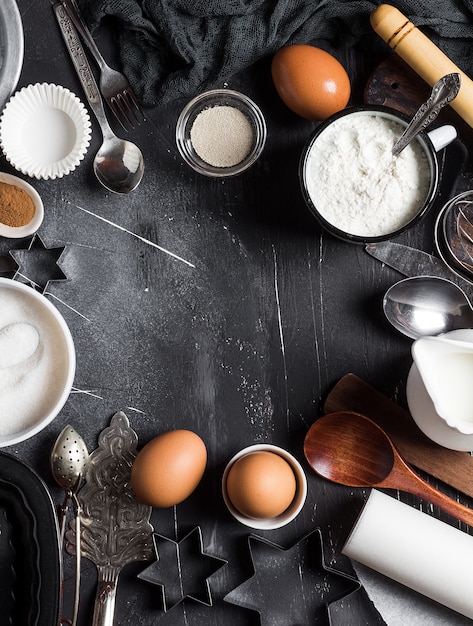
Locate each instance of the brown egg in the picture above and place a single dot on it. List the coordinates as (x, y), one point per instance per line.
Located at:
(310, 81)
(168, 468)
(261, 485)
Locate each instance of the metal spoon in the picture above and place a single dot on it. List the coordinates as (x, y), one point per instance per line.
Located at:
(427, 306)
(119, 164)
(443, 92)
(69, 458)
(350, 449)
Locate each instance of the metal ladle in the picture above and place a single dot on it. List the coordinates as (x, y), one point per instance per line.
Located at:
(443, 92)
(118, 164)
(427, 306)
(69, 458)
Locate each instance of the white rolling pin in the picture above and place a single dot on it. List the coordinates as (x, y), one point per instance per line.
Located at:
(421, 54)
(414, 549)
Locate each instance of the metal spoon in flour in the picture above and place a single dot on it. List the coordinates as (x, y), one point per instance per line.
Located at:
(443, 92)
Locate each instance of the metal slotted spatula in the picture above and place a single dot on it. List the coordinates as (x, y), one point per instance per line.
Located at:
(115, 528)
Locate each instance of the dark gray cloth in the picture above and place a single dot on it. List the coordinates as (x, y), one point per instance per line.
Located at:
(172, 48)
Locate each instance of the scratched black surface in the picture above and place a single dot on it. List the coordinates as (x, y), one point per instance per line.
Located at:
(238, 336)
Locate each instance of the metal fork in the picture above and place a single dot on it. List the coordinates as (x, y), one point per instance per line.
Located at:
(113, 85)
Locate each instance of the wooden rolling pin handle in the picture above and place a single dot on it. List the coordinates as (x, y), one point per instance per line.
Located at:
(421, 54)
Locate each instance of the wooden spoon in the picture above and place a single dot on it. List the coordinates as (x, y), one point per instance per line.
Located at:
(352, 450)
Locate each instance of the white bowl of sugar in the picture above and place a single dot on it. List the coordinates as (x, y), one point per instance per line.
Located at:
(221, 133)
(356, 188)
(37, 362)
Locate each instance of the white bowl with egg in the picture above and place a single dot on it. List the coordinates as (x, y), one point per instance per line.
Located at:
(353, 185)
(251, 491)
(37, 362)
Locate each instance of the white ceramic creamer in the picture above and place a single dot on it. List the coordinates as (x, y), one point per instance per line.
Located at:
(440, 388)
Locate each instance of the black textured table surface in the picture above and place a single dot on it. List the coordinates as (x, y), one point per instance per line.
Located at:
(221, 307)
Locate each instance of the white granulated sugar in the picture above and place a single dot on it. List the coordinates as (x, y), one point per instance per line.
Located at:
(356, 183)
(222, 135)
(30, 382)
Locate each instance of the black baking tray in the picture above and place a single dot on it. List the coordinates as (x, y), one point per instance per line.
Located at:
(30, 560)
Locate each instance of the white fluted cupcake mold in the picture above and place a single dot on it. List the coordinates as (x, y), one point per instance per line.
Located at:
(44, 131)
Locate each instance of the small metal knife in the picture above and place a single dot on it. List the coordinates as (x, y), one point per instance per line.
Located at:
(412, 262)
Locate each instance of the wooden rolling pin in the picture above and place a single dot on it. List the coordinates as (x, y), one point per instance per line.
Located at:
(421, 54)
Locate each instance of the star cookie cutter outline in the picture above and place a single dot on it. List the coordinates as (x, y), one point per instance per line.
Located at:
(173, 590)
(251, 583)
(53, 265)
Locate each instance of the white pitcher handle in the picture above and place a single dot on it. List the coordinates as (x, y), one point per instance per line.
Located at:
(442, 136)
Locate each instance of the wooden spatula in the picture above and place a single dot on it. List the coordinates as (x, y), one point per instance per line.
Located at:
(453, 468)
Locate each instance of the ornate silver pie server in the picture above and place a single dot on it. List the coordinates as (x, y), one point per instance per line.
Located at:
(115, 528)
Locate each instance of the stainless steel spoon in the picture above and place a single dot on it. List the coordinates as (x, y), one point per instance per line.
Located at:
(118, 164)
(443, 92)
(69, 458)
(427, 306)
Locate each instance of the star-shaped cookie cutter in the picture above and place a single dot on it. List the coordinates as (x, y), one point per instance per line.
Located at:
(291, 586)
(182, 569)
(36, 265)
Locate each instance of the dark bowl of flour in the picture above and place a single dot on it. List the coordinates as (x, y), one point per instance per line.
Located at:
(221, 133)
(353, 185)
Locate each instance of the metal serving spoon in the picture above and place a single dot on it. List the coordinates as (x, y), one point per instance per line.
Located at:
(350, 449)
(118, 164)
(443, 92)
(427, 306)
(69, 458)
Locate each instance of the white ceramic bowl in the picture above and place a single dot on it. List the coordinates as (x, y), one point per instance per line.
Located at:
(16, 232)
(34, 384)
(295, 507)
(44, 131)
(422, 409)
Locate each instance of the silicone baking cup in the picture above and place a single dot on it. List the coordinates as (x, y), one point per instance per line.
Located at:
(44, 131)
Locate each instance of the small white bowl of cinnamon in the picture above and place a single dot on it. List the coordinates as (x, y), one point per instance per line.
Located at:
(21, 207)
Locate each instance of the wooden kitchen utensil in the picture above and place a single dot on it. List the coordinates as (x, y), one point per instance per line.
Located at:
(451, 467)
(423, 56)
(350, 449)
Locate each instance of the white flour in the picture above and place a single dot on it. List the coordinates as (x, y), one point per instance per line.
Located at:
(34, 369)
(357, 185)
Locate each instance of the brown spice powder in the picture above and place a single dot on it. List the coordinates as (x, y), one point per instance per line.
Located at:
(16, 206)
